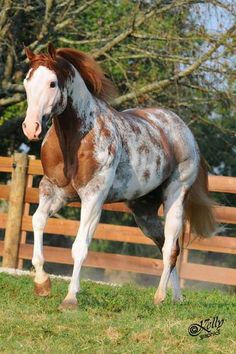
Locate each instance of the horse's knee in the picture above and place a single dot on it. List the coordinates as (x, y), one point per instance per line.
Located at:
(39, 219)
(79, 251)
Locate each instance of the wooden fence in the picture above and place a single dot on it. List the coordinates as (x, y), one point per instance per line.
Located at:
(17, 222)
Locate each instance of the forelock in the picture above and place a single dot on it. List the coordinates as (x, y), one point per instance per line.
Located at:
(59, 66)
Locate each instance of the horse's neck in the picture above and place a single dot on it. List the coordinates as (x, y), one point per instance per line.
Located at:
(81, 102)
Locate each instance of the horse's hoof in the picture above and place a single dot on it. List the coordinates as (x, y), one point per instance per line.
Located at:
(159, 299)
(68, 305)
(43, 289)
(179, 299)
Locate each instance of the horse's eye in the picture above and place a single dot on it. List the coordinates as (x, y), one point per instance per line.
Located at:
(52, 84)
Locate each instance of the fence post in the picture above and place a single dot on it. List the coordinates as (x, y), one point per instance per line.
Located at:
(15, 209)
(26, 209)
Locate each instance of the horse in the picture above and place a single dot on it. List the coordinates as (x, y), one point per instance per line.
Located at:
(93, 153)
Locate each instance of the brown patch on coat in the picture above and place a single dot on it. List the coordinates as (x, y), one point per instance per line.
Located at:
(59, 152)
(146, 175)
(126, 146)
(143, 149)
(86, 161)
(135, 129)
(67, 155)
(68, 128)
(174, 255)
(103, 129)
(158, 163)
(52, 159)
(111, 149)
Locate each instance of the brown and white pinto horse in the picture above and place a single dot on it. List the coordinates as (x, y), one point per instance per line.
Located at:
(144, 157)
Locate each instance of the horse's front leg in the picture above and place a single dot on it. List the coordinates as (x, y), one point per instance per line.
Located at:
(90, 215)
(92, 199)
(51, 198)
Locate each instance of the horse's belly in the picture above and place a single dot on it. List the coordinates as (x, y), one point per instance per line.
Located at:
(132, 181)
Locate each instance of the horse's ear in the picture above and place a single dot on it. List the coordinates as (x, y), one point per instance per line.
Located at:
(51, 51)
(28, 52)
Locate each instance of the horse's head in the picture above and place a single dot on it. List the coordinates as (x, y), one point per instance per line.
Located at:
(45, 89)
(56, 76)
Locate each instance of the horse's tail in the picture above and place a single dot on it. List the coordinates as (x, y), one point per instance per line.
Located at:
(198, 206)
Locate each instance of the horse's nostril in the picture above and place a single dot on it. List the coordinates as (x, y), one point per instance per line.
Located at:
(23, 125)
(37, 126)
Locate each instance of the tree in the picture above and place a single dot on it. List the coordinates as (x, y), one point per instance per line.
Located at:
(156, 52)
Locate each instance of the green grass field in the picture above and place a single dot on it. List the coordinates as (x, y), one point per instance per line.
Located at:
(110, 320)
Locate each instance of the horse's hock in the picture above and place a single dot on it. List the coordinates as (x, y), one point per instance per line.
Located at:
(14, 248)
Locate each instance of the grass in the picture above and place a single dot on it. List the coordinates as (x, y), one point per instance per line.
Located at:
(110, 320)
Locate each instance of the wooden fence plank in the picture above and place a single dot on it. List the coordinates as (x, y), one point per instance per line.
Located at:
(104, 231)
(225, 214)
(3, 220)
(35, 168)
(1, 247)
(189, 271)
(4, 191)
(6, 164)
(212, 274)
(223, 184)
(120, 207)
(221, 244)
(99, 260)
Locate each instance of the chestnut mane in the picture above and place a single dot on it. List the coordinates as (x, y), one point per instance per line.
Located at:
(89, 69)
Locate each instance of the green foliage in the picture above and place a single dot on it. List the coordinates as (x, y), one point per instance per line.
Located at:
(13, 111)
(110, 320)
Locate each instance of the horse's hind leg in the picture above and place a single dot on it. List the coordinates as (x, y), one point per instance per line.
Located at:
(51, 199)
(145, 211)
(174, 196)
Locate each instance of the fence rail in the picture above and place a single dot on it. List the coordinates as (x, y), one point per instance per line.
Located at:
(187, 270)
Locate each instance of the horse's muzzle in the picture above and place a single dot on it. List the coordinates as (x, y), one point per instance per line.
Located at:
(32, 129)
